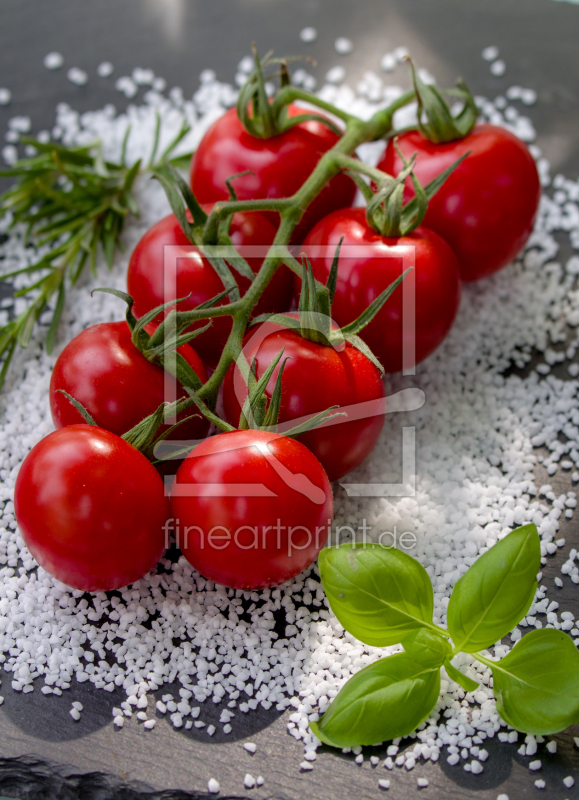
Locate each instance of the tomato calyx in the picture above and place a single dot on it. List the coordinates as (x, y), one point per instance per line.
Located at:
(313, 320)
(143, 436)
(262, 118)
(386, 211)
(441, 125)
(161, 347)
(207, 232)
(259, 412)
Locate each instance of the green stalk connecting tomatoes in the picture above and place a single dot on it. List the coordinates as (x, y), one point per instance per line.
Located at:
(277, 166)
(316, 377)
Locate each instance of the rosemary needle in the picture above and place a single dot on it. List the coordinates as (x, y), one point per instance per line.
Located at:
(73, 204)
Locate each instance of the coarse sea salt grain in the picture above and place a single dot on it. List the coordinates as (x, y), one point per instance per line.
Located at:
(53, 60)
(343, 45)
(498, 68)
(490, 53)
(388, 62)
(104, 69)
(481, 436)
(308, 34)
(336, 74)
(77, 76)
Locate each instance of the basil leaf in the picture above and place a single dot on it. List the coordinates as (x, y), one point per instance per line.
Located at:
(379, 594)
(496, 592)
(456, 675)
(427, 647)
(536, 685)
(387, 699)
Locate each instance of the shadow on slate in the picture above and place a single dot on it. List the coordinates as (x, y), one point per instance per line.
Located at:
(242, 725)
(48, 716)
(500, 757)
(28, 778)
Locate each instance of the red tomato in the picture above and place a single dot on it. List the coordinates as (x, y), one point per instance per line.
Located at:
(280, 165)
(251, 509)
(367, 267)
(104, 371)
(151, 281)
(315, 378)
(91, 508)
(486, 209)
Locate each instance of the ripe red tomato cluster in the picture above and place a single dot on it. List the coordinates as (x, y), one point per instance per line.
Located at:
(251, 508)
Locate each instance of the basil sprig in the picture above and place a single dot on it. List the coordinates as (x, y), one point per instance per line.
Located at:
(383, 596)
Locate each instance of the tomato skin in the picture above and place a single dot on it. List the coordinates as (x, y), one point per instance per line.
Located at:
(315, 378)
(91, 508)
(150, 282)
(486, 209)
(104, 371)
(298, 494)
(280, 165)
(364, 274)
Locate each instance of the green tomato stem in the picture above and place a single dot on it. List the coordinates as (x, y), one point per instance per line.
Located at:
(291, 93)
(291, 210)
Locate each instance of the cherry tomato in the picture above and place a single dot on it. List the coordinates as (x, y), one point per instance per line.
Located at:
(104, 371)
(315, 378)
(279, 166)
(251, 509)
(151, 281)
(91, 508)
(486, 209)
(367, 267)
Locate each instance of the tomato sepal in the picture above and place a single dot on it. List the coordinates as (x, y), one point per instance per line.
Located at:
(441, 125)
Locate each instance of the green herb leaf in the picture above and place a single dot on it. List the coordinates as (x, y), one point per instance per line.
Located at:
(379, 594)
(537, 684)
(79, 407)
(387, 699)
(496, 592)
(463, 680)
(76, 203)
(427, 647)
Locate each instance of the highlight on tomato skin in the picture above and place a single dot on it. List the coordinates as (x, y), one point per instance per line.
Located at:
(91, 508)
(251, 509)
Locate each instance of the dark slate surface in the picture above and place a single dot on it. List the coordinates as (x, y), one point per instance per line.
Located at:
(43, 753)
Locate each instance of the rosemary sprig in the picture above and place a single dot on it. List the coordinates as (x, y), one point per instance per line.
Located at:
(74, 203)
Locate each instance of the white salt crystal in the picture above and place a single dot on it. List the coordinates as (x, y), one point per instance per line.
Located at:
(53, 60)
